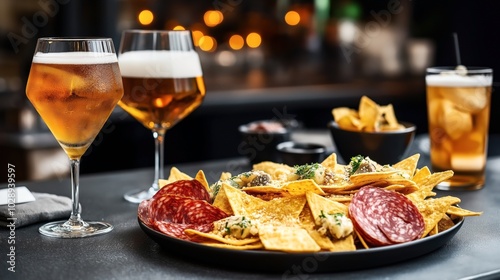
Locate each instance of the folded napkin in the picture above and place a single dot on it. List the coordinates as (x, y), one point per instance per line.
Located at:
(46, 207)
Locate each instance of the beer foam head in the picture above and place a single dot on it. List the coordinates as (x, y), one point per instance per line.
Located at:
(454, 80)
(74, 58)
(160, 64)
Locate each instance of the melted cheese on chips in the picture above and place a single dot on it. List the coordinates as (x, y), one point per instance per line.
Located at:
(295, 209)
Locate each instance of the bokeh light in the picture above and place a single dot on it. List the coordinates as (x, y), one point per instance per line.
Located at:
(196, 37)
(145, 17)
(226, 58)
(236, 42)
(207, 43)
(213, 18)
(179, 27)
(292, 18)
(253, 40)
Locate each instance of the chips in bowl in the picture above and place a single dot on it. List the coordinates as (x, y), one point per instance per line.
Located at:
(370, 117)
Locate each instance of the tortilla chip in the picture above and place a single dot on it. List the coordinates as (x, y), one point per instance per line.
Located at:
(434, 209)
(369, 114)
(301, 187)
(434, 230)
(287, 239)
(238, 200)
(427, 185)
(330, 162)
(200, 177)
(445, 223)
(254, 246)
(319, 204)
(265, 190)
(340, 112)
(408, 165)
(306, 219)
(407, 186)
(175, 175)
(344, 244)
(350, 122)
(457, 211)
(222, 202)
(340, 198)
(323, 241)
(225, 176)
(389, 117)
(369, 177)
(277, 171)
(420, 175)
(401, 188)
(363, 242)
(280, 211)
(226, 240)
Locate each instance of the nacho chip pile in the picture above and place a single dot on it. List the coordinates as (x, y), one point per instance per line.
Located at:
(306, 208)
(369, 117)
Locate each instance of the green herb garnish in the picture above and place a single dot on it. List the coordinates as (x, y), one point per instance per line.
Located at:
(247, 174)
(322, 215)
(306, 171)
(355, 163)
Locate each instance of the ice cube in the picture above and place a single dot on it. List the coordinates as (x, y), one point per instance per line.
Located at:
(454, 121)
(469, 99)
(467, 162)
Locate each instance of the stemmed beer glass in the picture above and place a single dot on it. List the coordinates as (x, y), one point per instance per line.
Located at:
(74, 84)
(163, 83)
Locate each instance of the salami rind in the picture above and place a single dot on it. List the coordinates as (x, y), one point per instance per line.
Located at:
(384, 217)
(186, 188)
(177, 230)
(143, 212)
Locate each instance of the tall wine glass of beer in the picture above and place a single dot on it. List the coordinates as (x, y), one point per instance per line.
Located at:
(163, 83)
(74, 84)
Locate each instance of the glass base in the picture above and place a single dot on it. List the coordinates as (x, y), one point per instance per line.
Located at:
(137, 196)
(462, 183)
(63, 229)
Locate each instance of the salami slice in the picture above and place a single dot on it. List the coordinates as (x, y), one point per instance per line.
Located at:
(198, 212)
(385, 217)
(184, 210)
(178, 206)
(164, 208)
(177, 230)
(143, 211)
(187, 188)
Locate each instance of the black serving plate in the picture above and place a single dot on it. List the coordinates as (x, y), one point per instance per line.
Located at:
(269, 261)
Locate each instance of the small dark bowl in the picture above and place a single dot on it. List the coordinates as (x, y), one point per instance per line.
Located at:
(293, 153)
(259, 146)
(387, 147)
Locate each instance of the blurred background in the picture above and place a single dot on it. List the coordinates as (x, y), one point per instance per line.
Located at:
(261, 59)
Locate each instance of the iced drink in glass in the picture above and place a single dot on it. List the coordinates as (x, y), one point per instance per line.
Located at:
(458, 104)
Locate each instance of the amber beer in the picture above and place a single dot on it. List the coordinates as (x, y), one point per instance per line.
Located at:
(458, 104)
(74, 93)
(161, 87)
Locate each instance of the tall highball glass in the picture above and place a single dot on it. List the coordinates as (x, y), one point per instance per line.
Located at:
(74, 84)
(163, 83)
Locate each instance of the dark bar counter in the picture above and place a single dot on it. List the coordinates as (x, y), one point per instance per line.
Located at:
(128, 253)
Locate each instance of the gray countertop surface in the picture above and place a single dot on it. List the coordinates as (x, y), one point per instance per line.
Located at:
(128, 253)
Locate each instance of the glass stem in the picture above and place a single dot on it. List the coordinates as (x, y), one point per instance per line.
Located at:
(159, 136)
(75, 219)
